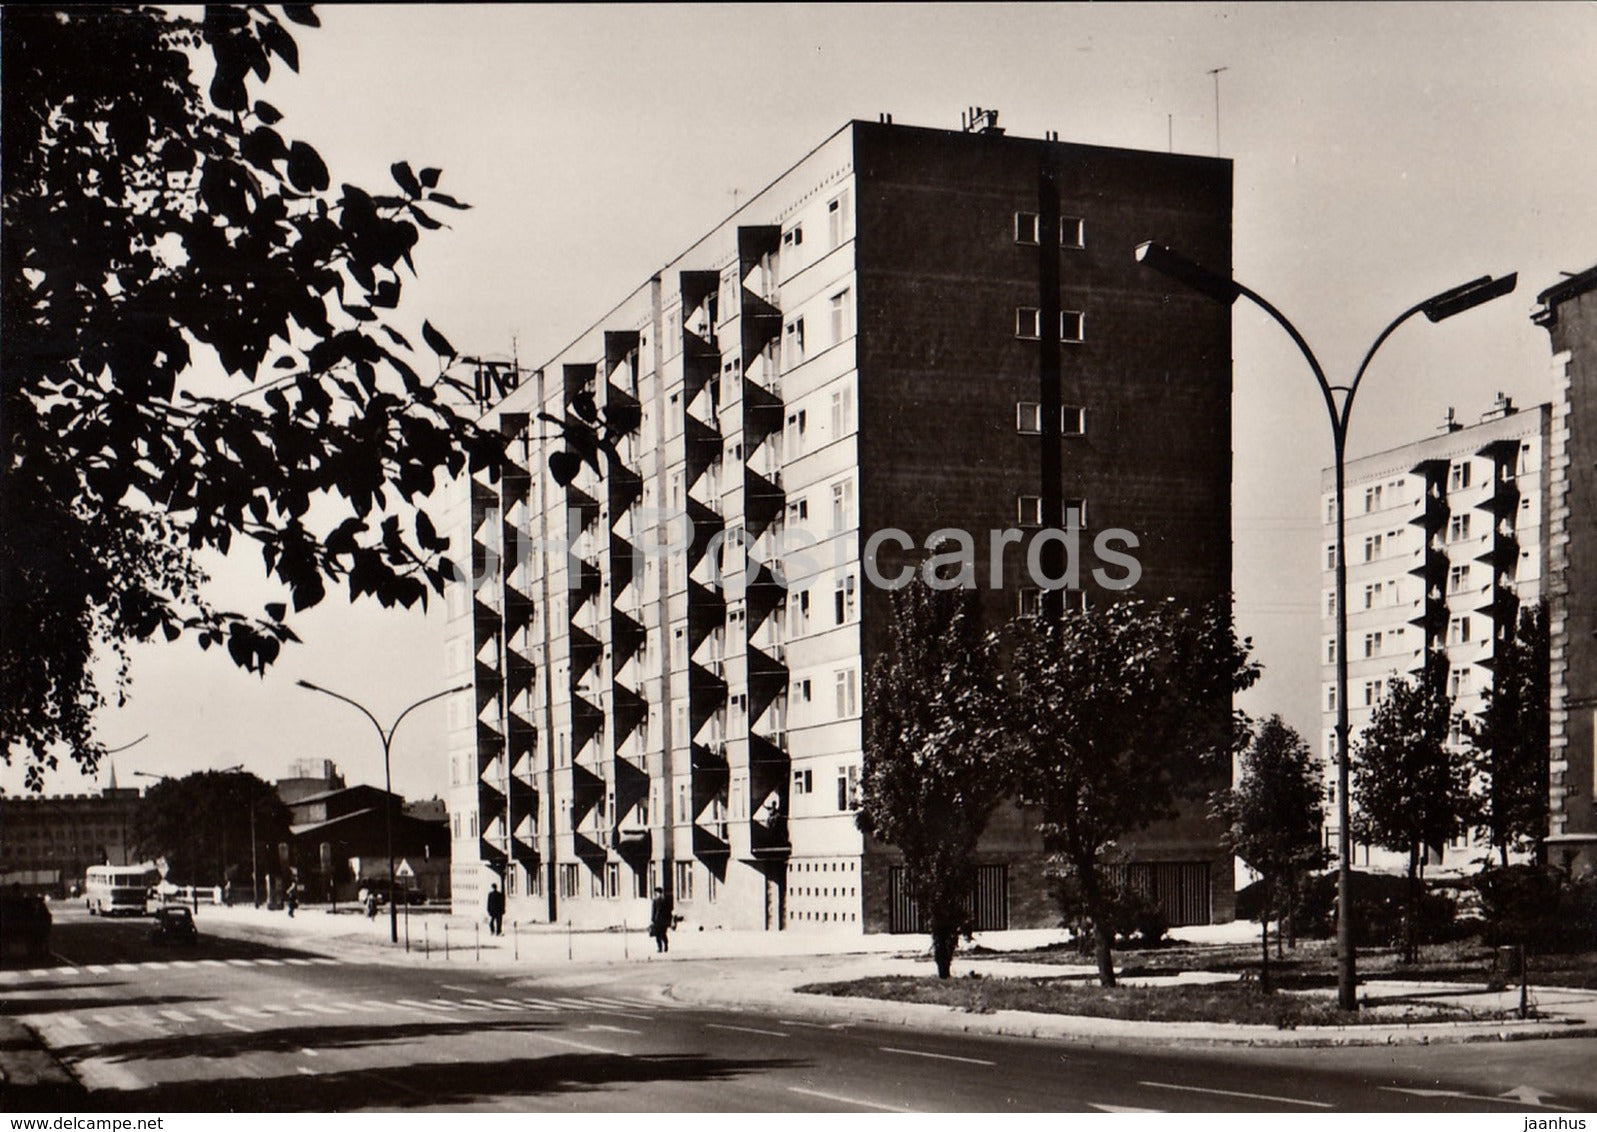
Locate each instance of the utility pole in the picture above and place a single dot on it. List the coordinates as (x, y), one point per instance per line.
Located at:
(1216, 74)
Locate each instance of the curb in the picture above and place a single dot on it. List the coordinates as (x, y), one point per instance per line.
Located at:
(32, 1078)
(1087, 1030)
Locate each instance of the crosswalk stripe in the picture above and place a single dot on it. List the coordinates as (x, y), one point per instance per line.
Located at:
(630, 1004)
(38, 972)
(153, 965)
(380, 1003)
(298, 962)
(185, 964)
(239, 1026)
(252, 1012)
(212, 1012)
(270, 962)
(126, 967)
(66, 970)
(212, 963)
(456, 1005)
(239, 963)
(324, 961)
(99, 969)
(175, 1016)
(414, 1005)
(577, 1003)
(325, 1008)
(538, 1004)
(486, 1005)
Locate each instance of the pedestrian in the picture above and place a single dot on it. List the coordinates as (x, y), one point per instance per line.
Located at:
(660, 920)
(496, 910)
(291, 898)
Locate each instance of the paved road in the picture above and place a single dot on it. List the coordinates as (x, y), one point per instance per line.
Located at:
(233, 1025)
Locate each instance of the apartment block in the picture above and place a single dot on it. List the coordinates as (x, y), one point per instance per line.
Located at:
(1447, 539)
(1568, 312)
(911, 330)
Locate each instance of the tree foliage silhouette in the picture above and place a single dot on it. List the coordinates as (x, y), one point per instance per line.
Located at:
(197, 348)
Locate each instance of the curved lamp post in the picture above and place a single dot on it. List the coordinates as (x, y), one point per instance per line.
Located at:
(388, 781)
(1339, 406)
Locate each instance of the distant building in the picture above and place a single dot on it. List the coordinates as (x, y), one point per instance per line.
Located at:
(306, 777)
(911, 329)
(47, 842)
(1446, 542)
(1568, 312)
(339, 838)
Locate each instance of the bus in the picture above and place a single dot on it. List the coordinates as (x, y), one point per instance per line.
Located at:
(110, 890)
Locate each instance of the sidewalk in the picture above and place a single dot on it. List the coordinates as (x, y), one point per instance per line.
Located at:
(743, 969)
(31, 1079)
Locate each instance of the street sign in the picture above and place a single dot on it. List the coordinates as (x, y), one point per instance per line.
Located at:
(404, 870)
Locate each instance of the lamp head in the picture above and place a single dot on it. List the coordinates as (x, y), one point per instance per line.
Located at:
(1183, 270)
(1468, 295)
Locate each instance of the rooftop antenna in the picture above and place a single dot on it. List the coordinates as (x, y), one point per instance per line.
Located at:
(1216, 74)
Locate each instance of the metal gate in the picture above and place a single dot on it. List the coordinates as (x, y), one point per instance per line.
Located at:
(1179, 888)
(988, 901)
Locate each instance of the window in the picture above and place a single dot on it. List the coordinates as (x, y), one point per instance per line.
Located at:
(1028, 322)
(1072, 326)
(612, 879)
(1330, 698)
(712, 887)
(1372, 547)
(1330, 651)
(1458, 476)
(1373, 691)
(1072, 232)
(1458, 682)
(797, 422)
(640, 883)
(1372, 498)
(673, 417)
(1330, 604)
(799, 607)
(842, 505)
(842, 316)
(839, 220)
(1458, 578)
(1028, 510)
(1372, 644)
(1373, 595)
(1330, 557)
(793, 342)
(842, 411)
(1330, 510)
(803, 781)
(847, 693)
(568, 880)
(1072, 420)
(1028, 417)
(793, 237)
(1026, 227)
(1030, 602)
(845, 600)
(1075, 513)
(848, 787)
(1458, 528)
(798, 511)
(684, 880)
(1458, 631)
(801, 691)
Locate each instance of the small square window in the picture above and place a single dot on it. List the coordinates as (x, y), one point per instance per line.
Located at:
(1028, 322)
(1072, 232)
(794, 236)
(1075, 513)
(1071, 326)
(1028, 417)
(1072, 420)
(1029, 602)
(1026, 224)
(1028, 510)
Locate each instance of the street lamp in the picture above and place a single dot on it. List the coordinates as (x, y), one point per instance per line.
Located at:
(388, 780)
(1339, 405)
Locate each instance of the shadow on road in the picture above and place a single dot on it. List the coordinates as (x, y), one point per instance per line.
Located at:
(214, 1046)
(15, 1006)
(450, 1084)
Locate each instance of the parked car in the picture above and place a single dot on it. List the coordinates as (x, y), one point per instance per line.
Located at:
(411, 896)
(24, 927)
(174, 924)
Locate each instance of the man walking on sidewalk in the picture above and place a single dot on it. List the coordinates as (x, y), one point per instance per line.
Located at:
(496, 910)
(660, 920)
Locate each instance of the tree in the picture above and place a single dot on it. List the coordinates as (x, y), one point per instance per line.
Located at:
(1510, 739)
(1116, 714)
(1273, 815)
(932, 773)
(201, 825)
(1411, 789)
(197, 348)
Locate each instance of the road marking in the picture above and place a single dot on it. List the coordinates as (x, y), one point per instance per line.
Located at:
(65, 970)
(322, 961)
(752, 1030)
(252, 1012)
(240, 963)
(455, 987)
(212, 1012)
(270, 962)
(511, 1003)
(1506, 1098)
(380, 1003)
(305, 1070)
(175, 1016)
(611, 1029)
(625, 1004)
(538, 1004)
(298, 962)
(444, 1004)
(579, 1045)
(367, 1006)
(212, 963)
(153, 965)
(185, 964)
(308, 1052)
(414, 1005)
(1233, 1093)
(840, 1099)
(98, 969)
(42, 972)
(1120, 1108)
(485, 1004)
(795, 1022)
(325, 1008)
(107, 1020)
(126, 967)
(240, 1027)
(938, 1056)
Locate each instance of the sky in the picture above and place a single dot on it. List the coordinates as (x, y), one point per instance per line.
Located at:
(1383, 152)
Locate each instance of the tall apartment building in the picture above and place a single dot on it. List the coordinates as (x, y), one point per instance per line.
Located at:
(911, 328)
(1568, 312)
(1446, 541)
